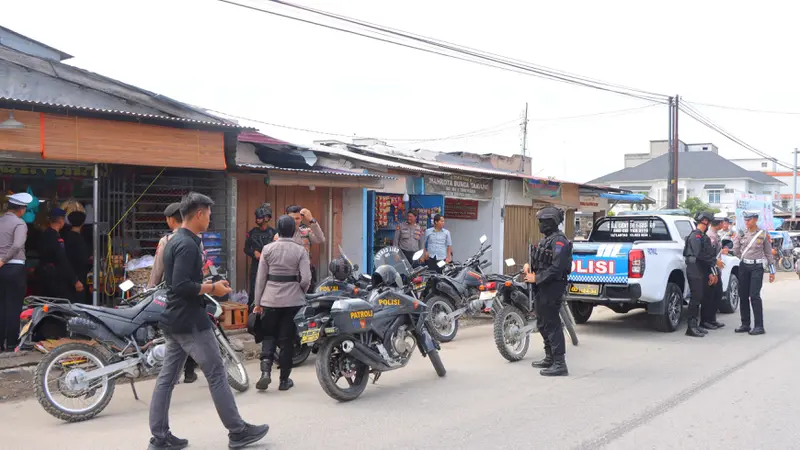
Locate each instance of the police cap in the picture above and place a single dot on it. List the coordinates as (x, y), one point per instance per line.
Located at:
(172, 209)
(57, 212)
(750, 215)
(20, 199)
(550, 212)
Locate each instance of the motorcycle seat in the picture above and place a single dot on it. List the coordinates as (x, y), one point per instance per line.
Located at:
(129, 313)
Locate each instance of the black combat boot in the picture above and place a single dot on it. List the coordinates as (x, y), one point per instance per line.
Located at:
(266, 375)
(742, 329)
(757, 330)
(546, 362)
(693, 330)
(558, 369)
(286, 384)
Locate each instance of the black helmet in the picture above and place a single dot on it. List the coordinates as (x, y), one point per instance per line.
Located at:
(703, 215)
(552, 213)
(265, 210)
(340, 268)
(286, 226)
(386, 275)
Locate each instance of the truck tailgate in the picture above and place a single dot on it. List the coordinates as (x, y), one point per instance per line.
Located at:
(602, 263)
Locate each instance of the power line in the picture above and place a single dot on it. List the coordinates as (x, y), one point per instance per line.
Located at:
(700, 118)
(737, 108)
(475, 57)
(602, 113)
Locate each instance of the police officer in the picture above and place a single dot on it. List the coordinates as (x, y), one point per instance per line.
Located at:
(753, 247)
(552, 262)
(408, 237)
(708, 311)
(701, 262)
(13, 234)
(284, 274)
(307, 232)
(261, 235)
(54, 271)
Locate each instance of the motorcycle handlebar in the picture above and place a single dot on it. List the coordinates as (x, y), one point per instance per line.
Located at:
(485, 264)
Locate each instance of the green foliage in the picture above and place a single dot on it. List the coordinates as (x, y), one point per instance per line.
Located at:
(696, 206)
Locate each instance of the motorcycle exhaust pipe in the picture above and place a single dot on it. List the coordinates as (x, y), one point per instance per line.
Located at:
(365, 355)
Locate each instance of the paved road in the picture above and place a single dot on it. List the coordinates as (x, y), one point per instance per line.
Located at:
(630, 388)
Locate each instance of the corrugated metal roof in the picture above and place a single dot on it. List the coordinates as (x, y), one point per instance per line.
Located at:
(255, 137)
(125, 113)
(315, 171)
(370, 159)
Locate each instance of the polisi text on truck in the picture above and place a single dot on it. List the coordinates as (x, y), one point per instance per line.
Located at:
(597, 267)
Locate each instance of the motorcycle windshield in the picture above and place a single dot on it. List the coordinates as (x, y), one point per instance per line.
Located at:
(392, 256)
(341, 252)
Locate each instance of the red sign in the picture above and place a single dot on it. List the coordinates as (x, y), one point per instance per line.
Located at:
(460, 209)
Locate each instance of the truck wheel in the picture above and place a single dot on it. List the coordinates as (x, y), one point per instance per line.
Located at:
(581, 311)
(669, 320)
(730, 301)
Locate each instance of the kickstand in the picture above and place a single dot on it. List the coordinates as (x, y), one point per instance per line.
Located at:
(133, 388)
(375, 376)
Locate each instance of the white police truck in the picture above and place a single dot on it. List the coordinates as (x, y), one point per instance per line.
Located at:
(635, 261)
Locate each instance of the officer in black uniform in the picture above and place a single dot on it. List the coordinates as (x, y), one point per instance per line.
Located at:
(261, 235)
(552, 262)
(54, 271)
(701, 261)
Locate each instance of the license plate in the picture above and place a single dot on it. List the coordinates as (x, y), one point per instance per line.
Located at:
(25, 329)
(309, 336)
(584, 289)
(488, 295)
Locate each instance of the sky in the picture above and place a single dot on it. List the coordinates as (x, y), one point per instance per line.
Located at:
(275, 70)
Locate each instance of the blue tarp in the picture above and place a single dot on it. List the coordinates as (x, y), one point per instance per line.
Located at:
(624, 197)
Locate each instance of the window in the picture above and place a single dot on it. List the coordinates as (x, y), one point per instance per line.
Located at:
(714, 196)
(630, 229)
(684, 228)
(763, 164)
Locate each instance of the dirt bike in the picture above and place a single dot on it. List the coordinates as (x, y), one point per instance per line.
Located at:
(515, 316)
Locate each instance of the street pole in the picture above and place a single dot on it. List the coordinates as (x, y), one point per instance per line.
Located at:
(676, 142)
(794, 186)
(670, 135)
(524, 139)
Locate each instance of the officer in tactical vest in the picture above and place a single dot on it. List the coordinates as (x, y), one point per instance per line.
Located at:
(552, 262)
(261, 235)
(701, 270)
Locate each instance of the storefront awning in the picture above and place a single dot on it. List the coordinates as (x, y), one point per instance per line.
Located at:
(332, 172)
(628, 198)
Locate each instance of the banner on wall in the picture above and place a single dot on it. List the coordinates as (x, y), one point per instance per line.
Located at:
(459, 186)
(751, 202)
(591, 203)
(543, 189)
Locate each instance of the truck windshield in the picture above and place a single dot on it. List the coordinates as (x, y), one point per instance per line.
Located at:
(629, 229)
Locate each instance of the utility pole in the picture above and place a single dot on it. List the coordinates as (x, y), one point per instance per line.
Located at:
(676, 141)
(524, 139)
(670, 136)
(794, 186)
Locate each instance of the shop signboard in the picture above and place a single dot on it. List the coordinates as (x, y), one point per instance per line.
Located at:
(460, 209)
(459, 186)
(590, 203)
(760, 203)
(542, 189)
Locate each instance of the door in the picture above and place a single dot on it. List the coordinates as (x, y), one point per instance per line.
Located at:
(370, 256)
(520, 230)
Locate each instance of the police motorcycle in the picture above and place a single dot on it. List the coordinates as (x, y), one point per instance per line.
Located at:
(459, 290)
(515, 315)
(361, 337)
(107, 344)
(344, 280)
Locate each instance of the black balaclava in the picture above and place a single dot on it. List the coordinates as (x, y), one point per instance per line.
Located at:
(548, 226)
(286, 226)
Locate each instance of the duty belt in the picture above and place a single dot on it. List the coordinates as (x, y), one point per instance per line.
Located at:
(754, 261)
(283, 278)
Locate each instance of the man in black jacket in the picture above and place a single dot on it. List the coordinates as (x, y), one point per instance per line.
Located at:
(701, 261)
(261, 235)
(188, 331)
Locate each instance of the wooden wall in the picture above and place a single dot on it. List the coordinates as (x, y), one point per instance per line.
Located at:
(68, 138)
(252, 193)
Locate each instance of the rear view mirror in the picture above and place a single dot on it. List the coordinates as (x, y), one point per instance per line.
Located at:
(510, 262)
(441, 264)
(483, 239)
(126, 285)
(418, 255)
(213, 271)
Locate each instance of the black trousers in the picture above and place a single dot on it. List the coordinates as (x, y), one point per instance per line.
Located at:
(12, 293)
(432, 264)
(409, 256)
(751, 278)
(53, 284)
(313, 285)
(547, 302)
(252, 291)
(711, 303)
(279, 330)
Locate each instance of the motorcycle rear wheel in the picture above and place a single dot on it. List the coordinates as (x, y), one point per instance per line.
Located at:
(330, 361)
(238, 378)
(438, 305)
(44, 394)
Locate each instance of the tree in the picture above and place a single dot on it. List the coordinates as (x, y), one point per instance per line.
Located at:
(611, 214)
(696, 206)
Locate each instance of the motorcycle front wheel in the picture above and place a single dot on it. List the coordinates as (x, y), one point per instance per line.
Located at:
(334, 365)
(442, 329)
(68, 365)
(237, 375)
(508, 337)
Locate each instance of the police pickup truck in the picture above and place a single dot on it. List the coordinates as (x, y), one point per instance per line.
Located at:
(635, 261)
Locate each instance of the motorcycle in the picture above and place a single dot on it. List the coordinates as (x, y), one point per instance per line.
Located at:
(361, 337)
(459, 286)
(515, 316)
(109, 343)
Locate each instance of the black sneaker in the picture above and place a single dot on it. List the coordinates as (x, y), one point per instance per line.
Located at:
(189, 377)
(171, 442)
(286, 384)
(251, 434)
